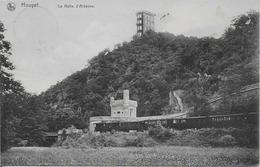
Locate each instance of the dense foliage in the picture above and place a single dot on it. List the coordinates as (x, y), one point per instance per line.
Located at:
(154, 64)
(158, 136)
(22, 116)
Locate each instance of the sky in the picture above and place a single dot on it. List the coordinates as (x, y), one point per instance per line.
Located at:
(50, 43)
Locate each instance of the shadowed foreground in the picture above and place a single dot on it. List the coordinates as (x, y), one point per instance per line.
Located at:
(167, 156)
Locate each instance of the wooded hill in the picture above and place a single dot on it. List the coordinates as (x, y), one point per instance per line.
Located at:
(152, 65)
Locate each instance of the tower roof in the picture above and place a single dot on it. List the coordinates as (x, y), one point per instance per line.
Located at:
(146, 12)
(124, 101)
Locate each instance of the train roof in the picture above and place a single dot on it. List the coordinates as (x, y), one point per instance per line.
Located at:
(214, 116)
(198, 117)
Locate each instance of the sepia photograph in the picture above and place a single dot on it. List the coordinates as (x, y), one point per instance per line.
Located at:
(129, 83)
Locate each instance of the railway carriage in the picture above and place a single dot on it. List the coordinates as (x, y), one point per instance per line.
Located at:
(217, 121)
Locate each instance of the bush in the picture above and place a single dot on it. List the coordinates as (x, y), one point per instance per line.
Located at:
(71, 143)
(149, 142)
(227, 140)
(245, 137)
(111, 143)
(134, 142)
(216, 137)
(153, 132)
(83, 141)
(160, 133)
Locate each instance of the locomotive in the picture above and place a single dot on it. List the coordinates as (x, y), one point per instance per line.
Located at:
(217, 121)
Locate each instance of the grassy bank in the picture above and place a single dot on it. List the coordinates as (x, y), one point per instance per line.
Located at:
(159, 136)
(167, 156)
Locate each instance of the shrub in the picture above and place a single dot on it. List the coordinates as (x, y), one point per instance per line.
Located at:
(70, 143)
(246, 136)
(165, 134)
(85, 140)
(111, 143)
(154, 131)
(160, 133)
(226, 140)
(98, 140)
(216, 137)
(134, 142)
(149, 142)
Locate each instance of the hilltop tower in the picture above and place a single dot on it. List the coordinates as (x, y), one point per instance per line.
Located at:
(145, 22)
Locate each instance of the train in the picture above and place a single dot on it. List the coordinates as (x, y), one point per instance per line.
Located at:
(213, 121)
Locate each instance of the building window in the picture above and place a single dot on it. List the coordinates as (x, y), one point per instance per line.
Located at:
(118, 112)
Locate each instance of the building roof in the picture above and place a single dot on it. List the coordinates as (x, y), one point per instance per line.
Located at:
(146, 12)
(99, 119)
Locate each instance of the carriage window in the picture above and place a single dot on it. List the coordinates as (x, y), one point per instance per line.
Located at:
(227, 118)
(118, 112)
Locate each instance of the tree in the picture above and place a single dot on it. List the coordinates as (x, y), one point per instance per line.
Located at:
(21, 113)
(8, 84)
(241, 62)
(33, 120)
(11, 92)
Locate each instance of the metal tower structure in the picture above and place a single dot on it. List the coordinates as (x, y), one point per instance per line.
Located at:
(145, 22)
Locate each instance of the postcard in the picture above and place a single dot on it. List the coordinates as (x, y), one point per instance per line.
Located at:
(129, 82)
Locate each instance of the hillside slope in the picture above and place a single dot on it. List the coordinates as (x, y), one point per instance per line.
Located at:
(154, 64)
